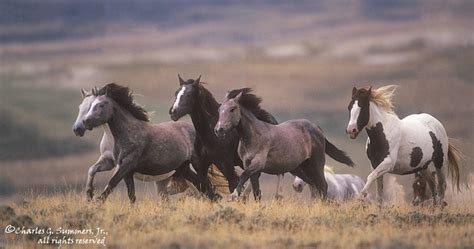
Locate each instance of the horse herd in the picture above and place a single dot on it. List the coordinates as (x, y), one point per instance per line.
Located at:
(239, 133)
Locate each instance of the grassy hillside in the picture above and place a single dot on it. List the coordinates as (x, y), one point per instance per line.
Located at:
(187, 222)
(35, 122)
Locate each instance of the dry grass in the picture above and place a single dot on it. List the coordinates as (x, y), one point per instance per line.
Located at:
(188, 222)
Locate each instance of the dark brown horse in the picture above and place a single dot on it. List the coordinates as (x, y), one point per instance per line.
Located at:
(141, 147)
(194, 99)
(296, 146)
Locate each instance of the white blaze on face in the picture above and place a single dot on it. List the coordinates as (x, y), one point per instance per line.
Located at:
(94, 103)
(355, 111)
(178, 98)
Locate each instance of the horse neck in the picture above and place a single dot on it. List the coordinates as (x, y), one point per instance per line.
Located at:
(378, 115)
(250, 127)
(107, 131)
(205, 115)
(121, 123)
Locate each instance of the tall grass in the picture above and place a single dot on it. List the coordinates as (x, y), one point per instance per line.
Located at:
(189, 222)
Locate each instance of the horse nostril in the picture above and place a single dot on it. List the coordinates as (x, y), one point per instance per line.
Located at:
(354, 130)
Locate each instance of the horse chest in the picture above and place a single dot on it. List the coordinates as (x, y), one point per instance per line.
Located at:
(377, 145)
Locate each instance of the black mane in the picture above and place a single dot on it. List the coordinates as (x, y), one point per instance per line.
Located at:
(252, 103)
(123, 96)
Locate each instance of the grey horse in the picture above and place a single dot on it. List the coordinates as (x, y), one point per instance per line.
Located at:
(295, 146)
(139, 146)
(106, 161)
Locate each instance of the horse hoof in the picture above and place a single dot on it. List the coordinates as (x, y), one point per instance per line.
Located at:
(278, 197)
(233, 197)
(99, 200)
(90, 194)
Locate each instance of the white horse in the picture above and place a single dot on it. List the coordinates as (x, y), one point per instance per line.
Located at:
(400, 146)
(341, 187)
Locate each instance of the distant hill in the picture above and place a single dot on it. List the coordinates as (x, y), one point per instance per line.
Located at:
(29, 21)
(21, 140)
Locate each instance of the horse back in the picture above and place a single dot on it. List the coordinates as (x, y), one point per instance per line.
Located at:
(296, 137)
(172, 140)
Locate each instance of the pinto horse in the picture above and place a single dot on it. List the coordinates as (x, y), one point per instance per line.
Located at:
(400, 146)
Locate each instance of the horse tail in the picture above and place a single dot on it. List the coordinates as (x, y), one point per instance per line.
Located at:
(338, 154)
(218, 180)
(454, 158)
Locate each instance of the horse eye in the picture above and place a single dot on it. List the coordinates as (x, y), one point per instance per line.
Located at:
(232, 110)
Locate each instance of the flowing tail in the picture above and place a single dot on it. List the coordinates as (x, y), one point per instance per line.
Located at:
(218, 180)
(338, 154)
(454, 157)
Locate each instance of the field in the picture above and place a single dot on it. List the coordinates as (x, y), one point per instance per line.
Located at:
(190, 222)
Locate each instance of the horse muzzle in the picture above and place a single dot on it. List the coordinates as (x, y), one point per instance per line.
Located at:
(353, 133)
(79, 130)
(174, 115)
(220, 132)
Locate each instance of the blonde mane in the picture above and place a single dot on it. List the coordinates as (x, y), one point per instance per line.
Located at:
(382, 97)
(328, 169)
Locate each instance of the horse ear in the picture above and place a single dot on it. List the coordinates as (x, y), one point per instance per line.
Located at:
(94, 91)
(198, 80)
(181, 81)
(370, 90)
(83, 93)
(237, 98)
(354, 91)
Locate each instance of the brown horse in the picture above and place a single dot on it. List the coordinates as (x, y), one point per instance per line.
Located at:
(295, 146)
(194, 99)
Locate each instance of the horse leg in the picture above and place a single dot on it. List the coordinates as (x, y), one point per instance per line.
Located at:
(227, 169)
(429, 179)
(162, 189)
(279, 187)
(379, 184)
(257, 194)
(319, 181)
(201, 166)
(314, 168)
(300, 173)
(126, 167)
(384, 167)
(252, 169)
(130, 187)
(186, 172)
(103, 164)
(441, 185)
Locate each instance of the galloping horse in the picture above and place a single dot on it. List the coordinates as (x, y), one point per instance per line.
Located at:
(341, 187)
(194, 99)
(141, 147)
(106, 161)
(295, 146)
(400, 146)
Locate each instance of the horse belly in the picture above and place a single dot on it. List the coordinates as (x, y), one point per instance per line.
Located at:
(416, 148)
(282, 159)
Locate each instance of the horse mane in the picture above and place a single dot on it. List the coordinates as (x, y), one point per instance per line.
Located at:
(252, 103)
(124, 97)
(383, 96)
(206, 98)
(328, 169)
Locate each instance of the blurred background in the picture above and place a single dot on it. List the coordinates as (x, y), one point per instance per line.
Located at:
(301, 57)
